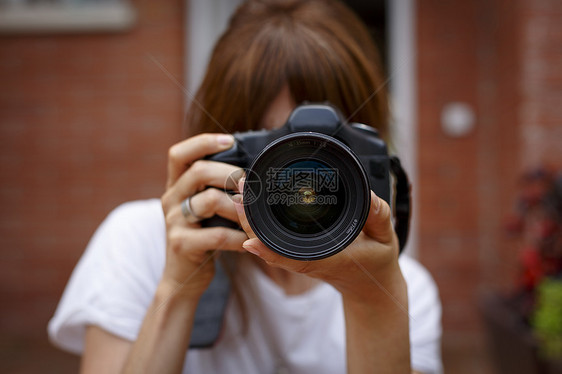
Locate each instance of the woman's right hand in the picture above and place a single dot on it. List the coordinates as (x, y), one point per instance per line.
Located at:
(189, 247)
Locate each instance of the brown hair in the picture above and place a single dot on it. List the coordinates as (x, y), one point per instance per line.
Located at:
(319, 48)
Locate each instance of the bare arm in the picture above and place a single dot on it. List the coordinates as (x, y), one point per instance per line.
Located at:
(377, 329)
(160, 346)
(103, 352)
(164, 337)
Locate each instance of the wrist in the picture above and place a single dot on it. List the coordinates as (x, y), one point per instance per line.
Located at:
(377, 332)
(378, 288)
(169, 290)
(187, 281)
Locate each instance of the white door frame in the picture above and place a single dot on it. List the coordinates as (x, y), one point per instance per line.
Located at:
(401, 23)
(206, 21)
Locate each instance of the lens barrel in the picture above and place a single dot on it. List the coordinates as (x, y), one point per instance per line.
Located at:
(306, 196)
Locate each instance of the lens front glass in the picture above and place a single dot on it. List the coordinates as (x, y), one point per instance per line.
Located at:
(306, 196)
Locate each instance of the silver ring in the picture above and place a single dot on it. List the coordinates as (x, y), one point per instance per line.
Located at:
(187, 211)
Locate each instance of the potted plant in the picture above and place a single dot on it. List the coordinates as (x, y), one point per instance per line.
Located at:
(525, 327)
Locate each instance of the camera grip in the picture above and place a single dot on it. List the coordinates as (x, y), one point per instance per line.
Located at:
(218, 221)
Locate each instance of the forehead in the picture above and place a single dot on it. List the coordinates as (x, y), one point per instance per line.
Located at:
(279, 110)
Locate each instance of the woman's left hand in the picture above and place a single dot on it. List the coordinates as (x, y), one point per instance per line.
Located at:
(374, 292)
(371, 260)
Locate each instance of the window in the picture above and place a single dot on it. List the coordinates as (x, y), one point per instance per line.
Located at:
(65, 16)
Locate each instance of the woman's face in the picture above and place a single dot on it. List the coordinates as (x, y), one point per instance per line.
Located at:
(279, 110)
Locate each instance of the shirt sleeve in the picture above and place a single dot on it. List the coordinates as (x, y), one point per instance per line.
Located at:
(115, 280)
(424, 309)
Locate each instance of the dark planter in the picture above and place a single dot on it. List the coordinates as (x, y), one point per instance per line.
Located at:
(554, 366)
(511, 342)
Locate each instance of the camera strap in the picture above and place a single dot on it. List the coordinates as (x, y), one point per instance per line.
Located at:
(402, 202)
(209, 316)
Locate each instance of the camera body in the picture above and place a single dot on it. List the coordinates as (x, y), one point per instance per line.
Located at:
(316, 137)
(362, 140)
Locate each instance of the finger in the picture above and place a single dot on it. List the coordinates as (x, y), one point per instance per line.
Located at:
(213, 201)
(241, 182)
(242, 218)
(257, 248)
(200, 240)
(204, 174)
(379, 224)
(183, 154)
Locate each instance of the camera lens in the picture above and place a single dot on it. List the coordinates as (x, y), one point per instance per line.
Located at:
(309, 204)
(314, 196)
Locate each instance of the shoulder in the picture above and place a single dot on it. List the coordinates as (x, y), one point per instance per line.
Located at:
(130, 225)
(113, 283)
(136, 213)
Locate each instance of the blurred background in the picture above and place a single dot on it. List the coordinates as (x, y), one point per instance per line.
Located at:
(92, 94)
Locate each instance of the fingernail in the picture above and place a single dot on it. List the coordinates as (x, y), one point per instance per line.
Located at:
(238, 204)
(241, 184)
(250, 248)
(377, 202)
(237, 175)
(237, 198)
(225, 140)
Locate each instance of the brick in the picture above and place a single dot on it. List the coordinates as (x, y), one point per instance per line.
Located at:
(78, 114)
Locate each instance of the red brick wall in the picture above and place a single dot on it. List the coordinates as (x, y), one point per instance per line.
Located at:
(503, 58)
(85, 122)
(541, 82)
(448, 167)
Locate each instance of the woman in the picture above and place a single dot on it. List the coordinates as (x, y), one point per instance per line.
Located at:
(130, 303)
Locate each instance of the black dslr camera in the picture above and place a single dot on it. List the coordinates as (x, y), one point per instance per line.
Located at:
(307, 190)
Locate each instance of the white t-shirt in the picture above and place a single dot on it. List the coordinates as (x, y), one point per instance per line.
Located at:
(116, 278)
